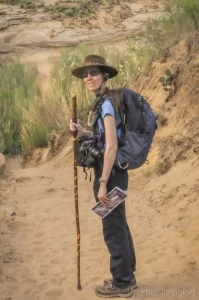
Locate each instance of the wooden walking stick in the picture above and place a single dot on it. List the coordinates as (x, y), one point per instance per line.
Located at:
(74, 119)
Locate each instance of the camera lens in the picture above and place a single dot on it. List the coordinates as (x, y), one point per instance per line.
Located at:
(95, 152)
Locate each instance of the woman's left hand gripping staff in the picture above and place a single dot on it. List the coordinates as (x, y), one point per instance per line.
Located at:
(102, 195)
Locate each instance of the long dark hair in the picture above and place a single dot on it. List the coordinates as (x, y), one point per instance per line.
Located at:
(116, 98)
(114, 95)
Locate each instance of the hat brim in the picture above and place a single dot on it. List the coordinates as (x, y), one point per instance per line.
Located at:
(77, 72)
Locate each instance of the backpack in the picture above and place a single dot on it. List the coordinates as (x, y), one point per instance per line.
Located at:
(138, 129)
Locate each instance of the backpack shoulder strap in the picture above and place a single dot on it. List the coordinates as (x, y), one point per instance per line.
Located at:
(96, 109)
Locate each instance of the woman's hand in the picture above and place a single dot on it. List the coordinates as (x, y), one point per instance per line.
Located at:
(102, 195)
(78, 127)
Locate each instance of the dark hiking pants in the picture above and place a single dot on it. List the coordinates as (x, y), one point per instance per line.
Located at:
(116, 233)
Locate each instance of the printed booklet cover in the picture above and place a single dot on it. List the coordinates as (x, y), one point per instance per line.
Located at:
(116, 196)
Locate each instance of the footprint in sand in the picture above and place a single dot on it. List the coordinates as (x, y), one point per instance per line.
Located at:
(27, 291)
(44, 266)
(22, 179)
(73, 268)
(50, 190)
(150, 260)
(32, 281)
(43, 286)
(58, 281)
(39, 234)
(54, 293)
(56, 260)
(38, 249)
(45, 177)
(37, 242)
(63, 236)
(54, 281)
(94, 279)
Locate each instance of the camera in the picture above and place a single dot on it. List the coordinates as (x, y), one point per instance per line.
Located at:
(95, 152)
(85, 145)
(86, 152)
(87, 148)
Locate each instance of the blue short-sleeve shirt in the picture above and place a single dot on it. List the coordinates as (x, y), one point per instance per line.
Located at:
(107, 109)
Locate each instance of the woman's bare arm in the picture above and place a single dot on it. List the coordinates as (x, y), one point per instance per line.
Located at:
(111, 145)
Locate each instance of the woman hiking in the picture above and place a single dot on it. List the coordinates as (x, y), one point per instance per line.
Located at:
(95, 72)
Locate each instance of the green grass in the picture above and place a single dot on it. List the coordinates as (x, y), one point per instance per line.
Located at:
(68, 8)
(179, 20)
(18, 86)
(66, 85)
(27, 4)
(27, 119)
(76, 9)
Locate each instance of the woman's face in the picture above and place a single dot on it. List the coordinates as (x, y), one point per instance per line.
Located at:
(93, 78)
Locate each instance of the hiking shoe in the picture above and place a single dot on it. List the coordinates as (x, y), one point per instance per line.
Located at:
(111, 291)
(133, 283)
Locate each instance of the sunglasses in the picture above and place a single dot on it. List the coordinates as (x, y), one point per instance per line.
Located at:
(92, 73)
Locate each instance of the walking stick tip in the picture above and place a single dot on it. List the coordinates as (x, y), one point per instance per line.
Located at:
(79, 287)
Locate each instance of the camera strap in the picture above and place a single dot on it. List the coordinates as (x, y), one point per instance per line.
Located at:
(84, 170)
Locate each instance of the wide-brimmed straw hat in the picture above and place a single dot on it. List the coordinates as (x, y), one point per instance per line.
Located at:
(95, 61)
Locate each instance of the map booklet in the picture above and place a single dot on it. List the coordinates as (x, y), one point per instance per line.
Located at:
(116, 196)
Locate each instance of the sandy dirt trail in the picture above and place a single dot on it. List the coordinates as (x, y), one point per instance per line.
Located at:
(39, 242)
